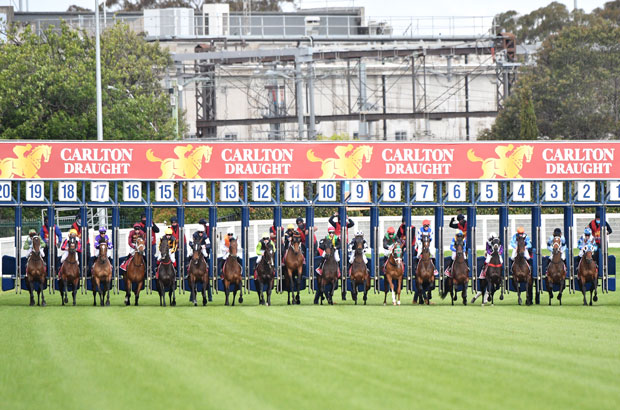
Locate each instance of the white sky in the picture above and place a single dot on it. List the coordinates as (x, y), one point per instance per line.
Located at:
(400, 8)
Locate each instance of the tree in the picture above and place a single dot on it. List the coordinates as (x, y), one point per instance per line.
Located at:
(528, 130)
(47, 85)
(235, 5)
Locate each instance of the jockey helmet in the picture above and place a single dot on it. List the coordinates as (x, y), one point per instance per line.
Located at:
(230, 231)
(460, 217)
(265, 235)
(290, 226)
(459, 234)
(299, 220)
(359, 233)
(391, 230)
(492, 236)
(202, 221)
(137, 226)
(168, 231)
(102, 229)
(32, 232)
(587, 231)
(520, 230)
(331, 229)
(426, 222)
(557, 232)
(73, 232)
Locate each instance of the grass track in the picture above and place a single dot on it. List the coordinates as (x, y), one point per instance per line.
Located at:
(341, 356)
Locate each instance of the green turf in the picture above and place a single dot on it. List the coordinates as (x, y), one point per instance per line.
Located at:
(307, 356)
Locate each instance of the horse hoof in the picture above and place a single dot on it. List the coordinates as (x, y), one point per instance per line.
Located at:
(465, 302)
(595, 298)
(520, 303)
(266, 303)
(126, 303)
(204, 302)
(473, 300)
(43, 304)
(240, 300)
(173, 303)
(195, 304)
(398, 303)
(414, 302)
(384, 304)
(74, 303)
(289, 302)
(107, 303)
(31, 303)
(501, 297)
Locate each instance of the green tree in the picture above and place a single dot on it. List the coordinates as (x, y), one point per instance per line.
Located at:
(47, 85)
(528, 130)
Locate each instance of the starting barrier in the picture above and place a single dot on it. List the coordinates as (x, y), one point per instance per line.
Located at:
(343, 181)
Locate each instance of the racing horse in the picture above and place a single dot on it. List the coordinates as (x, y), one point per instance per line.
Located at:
(521, 272)
(588, 273)
(101, 276)
(293, 263)
(556, 273)
(425, 274)
(166, 276)
(136, 271)
(359, 271)
(328, 281)
(493, 280)
(394, 270)
(265, 274)
(459, 275)
(198, 271)
(69, 272)
(231, 273)
(36, 273)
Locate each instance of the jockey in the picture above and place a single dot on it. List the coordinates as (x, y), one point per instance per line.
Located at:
(261, 246)
(402, 235)
(426, 231)
(460, 224)
(459, 236)
(389, 239)
(201, 238)
(225, 243)
(65, 246)
(28, 244)
(174, 225)
(132, 238)
(288, 235)
(335, 240)
(513, 244)
(557, 232)
(489, 253)
(172, 245)
(303, 230)
(587, 239)
(334, 221)
(358, 234)
(101, 238)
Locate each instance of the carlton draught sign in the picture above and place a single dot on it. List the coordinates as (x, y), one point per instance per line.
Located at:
(307, 161)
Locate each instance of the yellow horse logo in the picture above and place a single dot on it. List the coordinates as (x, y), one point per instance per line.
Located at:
(345, 166)
(25, 165)
(503, 166)
(183, 166)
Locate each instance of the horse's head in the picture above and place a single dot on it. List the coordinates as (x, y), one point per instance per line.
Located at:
(232, 246)
(103, 250)
(296, 238)
(495, 245)
(164, 248)
(36, 243)
(397, 251)
(458, 245)
(557, 244)
(426, 242)
(520, 244)
(358, 243)
(72, 244)
(588, 250)
(329, 248)
(196, 247)
(140, 244)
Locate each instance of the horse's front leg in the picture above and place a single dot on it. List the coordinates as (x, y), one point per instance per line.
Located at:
(109, 289)
(464, 293)
(102, 291)
(297, 300)
(74, 292)
(139, 286)
(66, 291)
(392, 291)
(259, 291)
(41, 292)
(289, 275)
(353, 290)
(30, 289)
(226, 291)
(400, 288)
(127, 291)
(517, 286)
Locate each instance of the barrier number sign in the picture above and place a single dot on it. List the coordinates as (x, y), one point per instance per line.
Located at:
(424, 191)
(261, 191)
(489, 192)
(360, 192)
(554, 191)
(457, 191)
(229, 191)
(586, 191)
(521, 191)
(614, 190)
(294, 191)
(99, 191)
(67, 191)
(5, 191)
(197, 191)
(132, 191)
(164, 191)
(35, 191)
(391, 191)
(326, 191)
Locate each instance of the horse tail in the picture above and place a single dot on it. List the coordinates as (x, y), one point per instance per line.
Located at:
(312, 157)
(151, 157)
(473, 157)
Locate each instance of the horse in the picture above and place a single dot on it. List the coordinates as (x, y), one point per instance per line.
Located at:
(329, 276)
(347, 167)
(506, 167)
(231, 273)
(166, 276)
(459, 275)
(359, 272)
(588, 273)
(36, 273)
(425, 275)
(394, 270)
(521, 272)
(101, 276)
(265, 274)
(25, 167)
(183, 167)
(556, 274)
(293, 263)
(493, 280)
(136, 271)
(198, 271)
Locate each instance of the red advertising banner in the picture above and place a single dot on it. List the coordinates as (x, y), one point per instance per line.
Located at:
(250, 161)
